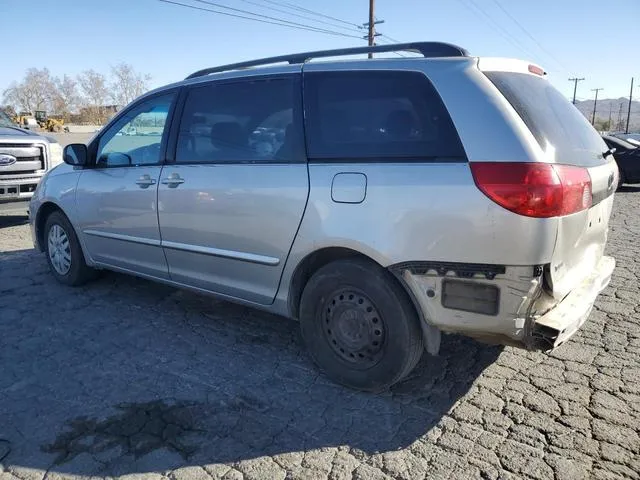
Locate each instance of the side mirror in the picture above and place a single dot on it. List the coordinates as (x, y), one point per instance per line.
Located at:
(75, 154)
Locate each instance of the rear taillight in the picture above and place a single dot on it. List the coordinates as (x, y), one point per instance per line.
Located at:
(534, 189)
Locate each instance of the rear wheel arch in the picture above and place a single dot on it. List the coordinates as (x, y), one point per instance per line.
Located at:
(308, 266)
(318, 259)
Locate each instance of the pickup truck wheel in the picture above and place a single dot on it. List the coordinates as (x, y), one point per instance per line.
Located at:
(359, 326)
(64, 254)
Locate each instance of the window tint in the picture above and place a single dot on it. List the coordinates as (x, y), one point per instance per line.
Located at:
(359, 115)
(246, 121)
(136, 137)
(555, 123)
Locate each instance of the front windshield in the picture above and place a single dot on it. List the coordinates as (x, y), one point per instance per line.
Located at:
(5, 121)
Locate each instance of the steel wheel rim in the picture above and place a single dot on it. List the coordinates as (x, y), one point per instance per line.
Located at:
(353, 328)
(59, 249)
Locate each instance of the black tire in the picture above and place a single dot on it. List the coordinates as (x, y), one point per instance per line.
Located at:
(78, 272)
(346, 307)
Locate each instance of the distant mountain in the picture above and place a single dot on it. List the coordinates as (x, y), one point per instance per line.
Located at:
(602, 111)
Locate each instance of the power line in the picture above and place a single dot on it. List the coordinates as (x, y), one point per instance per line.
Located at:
(351, 27)
(305, 17)
(505, 33)
(259, 15)
(302, 9)
(279, 22)
(395, 41)
(391, 38)
(275, 20)
(551, 55)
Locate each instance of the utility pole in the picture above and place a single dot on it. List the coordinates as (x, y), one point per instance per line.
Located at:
(595, 102)
(619, 124)
(626, 130)
(575, 86)
(371, 24)
(609, 124)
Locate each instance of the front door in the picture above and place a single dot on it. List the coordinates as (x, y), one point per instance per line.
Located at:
(117, 196)
(232, 201)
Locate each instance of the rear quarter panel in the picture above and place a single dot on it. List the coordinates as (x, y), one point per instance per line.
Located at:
(431, 211)
(416, 212)
(420, 212)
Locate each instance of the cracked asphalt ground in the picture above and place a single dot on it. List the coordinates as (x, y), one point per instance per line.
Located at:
(124, 377)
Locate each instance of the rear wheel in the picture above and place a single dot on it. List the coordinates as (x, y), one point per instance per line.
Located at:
(359, 326)
(64, 253)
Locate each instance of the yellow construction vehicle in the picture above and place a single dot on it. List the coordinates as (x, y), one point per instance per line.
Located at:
(49, 123)
(25, 120)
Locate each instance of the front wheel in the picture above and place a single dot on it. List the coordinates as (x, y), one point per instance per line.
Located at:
(64, 253)
(359, 326)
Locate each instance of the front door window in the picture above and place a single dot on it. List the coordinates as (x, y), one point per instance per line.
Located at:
(135, 139)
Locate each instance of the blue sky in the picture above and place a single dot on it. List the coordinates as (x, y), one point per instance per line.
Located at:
(585, 38)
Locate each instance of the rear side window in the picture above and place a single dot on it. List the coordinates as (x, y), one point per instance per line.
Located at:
(554, 122)
(377, 115)
(243, 121)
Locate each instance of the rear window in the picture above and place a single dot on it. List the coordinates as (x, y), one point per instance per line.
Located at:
(377, 115)
(555, 123)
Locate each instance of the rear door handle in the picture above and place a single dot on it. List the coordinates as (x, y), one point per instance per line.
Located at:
(173, 180)
(145, 181)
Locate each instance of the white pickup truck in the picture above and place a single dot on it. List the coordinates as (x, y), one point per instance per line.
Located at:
(25, 156)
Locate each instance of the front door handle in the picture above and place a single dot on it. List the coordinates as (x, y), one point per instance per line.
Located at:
(173, 180)
(145, 181)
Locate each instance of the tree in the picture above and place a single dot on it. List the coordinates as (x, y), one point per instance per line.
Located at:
(96, 93)
(9, 110)
(14, 96)
(66, 98)
(127, 84)
(33, 93)
(602, 125)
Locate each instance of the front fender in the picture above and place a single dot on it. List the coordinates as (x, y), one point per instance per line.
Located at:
(56, 191)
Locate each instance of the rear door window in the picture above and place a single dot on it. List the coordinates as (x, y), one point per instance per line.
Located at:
(382, 115)
(555, 123)
(243, 121)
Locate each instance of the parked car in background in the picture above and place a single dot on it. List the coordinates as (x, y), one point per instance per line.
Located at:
(25, 157)
(395, 200)
(633, 138)
(627, 156)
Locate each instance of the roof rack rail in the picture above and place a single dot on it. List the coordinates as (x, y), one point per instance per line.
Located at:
(427, 49)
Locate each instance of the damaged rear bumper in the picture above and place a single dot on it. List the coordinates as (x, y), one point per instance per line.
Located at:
(508, 307)
(561, 322)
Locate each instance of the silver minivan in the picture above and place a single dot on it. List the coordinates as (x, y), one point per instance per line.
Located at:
(379, 201)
